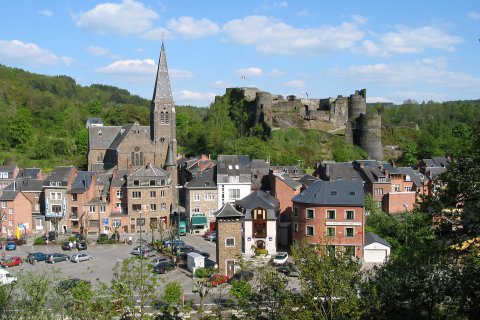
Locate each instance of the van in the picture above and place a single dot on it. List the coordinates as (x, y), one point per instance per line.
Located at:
(6, 277)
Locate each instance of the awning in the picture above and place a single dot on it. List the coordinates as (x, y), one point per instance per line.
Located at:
(199, 220)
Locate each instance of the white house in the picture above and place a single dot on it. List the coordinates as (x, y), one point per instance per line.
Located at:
(375, 248)
(233, 178)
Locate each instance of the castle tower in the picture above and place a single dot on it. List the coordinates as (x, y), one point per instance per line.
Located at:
(162, 114)
(371, 135)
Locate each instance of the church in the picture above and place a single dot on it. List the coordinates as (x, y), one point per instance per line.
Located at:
(133, 145)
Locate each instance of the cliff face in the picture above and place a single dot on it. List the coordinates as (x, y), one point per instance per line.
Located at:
(332, 115)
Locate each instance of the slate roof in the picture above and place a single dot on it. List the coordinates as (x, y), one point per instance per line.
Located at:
(82, 182)
(101, 137)
(294, 184)
(204, 180)
(8, 195)
(415, 175)
(123, 133)
(329, 193)
(292, 171)
(371, 170)
(307, 180)
(441, 161)
(340, 171)
(94, 121)
(26, 185)
(435, 172)
(149, 171)
(228, 211)
(259, 164)
(374, 238)
(8, 169)
(258, 199)
(120, 179)
(163, 91)
(59, 174)
(224, 161)
(28, 173)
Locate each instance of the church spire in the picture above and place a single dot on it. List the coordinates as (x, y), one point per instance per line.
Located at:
(163, 90)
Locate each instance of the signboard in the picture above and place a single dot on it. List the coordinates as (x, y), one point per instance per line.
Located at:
(105, 222)
(342, 223)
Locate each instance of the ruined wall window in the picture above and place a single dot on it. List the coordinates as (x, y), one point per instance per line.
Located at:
(162, 117)
(167, 118)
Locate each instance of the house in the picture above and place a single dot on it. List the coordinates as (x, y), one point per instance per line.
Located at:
(150, 193)
(331, 213)
(119, 219)
(30, 173)
(79, 202)
(294, 172)
(333, 171)
(55, 188)
(403, 193)
(201, 199)
(307, 180)
(233, 178)
(260, 169)
(260, 225)
(376, 182)
(375, 248)
(8, 174)
(15, 214)
(229, 223)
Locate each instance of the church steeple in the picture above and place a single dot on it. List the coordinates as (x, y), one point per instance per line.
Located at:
(162, 91)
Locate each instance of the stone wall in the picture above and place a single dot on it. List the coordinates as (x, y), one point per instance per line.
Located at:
(228, 228)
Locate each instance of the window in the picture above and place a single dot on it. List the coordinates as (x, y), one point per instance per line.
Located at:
(92, 209)
(55, 196)
(163, 206)
(162, 182)
(39, 223)
(259, 214)
(5, 175)
(378, 191)
(295, 227)
(333, 193)
(153, 182)
(116, 223)
(196, 209)
(196, 197)
(349, 232)
(153, 194)
(136, 207)
(136, 182)
(74, 197)
(407, 178)
(210, 196)
(352, 193)
(140, 222)
(382, 179)
(103, 208)
(379, 204)
(4, 204)
(396, 188)
(56, 208)
(310, 214)
(295, 211)
(10, 223)
(233, 179)
(230, 242)
(37, 207)
(331, 231)
(136, 194)
(153, 206)
(37, 195)
(331, 214)
(407, 189)
(349, 251)
(10, 211)
(310, 230)
(350, 215)
(162, 193)
(119, 194)
(234, 193)
(331, 250)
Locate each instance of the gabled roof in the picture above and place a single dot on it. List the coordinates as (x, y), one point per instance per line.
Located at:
(228, 211)
(307, 180)
(25, 185)
(149, 171)
(82, 182)
(203, 180)
(343, 193)
(340, 171)
(28, 173)
(292, 171)
(101, 137)
(59, 174)
(294, 184)
(415, 176)
(374, 238)
(370, 170)
(8, 195)
(120, 179)
(258, 199)
(233, 165)
(7, 168)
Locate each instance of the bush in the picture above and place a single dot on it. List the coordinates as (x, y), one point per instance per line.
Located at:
(202, 273)
(261, 251)
(39, 241)
(72, 238)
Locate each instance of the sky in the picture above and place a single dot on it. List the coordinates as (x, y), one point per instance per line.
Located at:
(420, 50)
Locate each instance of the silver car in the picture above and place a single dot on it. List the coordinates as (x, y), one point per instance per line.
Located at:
(79, 257)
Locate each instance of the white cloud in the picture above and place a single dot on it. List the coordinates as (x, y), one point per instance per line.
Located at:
(18, 52)
(400, 96)
(220, 84)
(274, 73)
(359, 19)
(195, 96)
(377, 99)
(474, 15)
(125, 18)
(273, 5)
(98, 51)
(129, 67)
(252, 71)
(299, 84)
(271, 36)
(191, 28)
(158, 34)
(46, 13)
(408, 40)
(175, 73)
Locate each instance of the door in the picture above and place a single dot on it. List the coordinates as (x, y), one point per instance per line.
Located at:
(230, 268)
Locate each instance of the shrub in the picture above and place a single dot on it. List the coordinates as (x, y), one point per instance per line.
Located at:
(202, 273)
(39, 241)
(71, 239)
(261, 251)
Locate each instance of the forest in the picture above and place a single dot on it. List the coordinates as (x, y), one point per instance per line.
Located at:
(44, 125)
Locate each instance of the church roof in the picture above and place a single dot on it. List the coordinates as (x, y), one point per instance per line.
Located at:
(102, 137)
(163, 90)
(170, 161)
(150, 170)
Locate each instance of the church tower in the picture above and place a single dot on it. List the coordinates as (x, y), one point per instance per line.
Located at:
(162, 115)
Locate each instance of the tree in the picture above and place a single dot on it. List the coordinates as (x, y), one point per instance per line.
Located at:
(20, 127)
(202, 285)
(172, 297)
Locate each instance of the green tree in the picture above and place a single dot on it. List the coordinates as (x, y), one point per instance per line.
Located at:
(20, 127)
(172, 297)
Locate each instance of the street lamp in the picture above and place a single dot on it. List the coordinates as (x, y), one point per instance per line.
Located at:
(99, 218)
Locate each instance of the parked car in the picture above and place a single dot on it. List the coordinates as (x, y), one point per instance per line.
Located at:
(36, 256)
(242, 275)
(79, 257)
(184, 249)
(67, 245)
(164, 266)
(82, 245)
(11, 245)
(69, 284)
(173, 243)
(148, 252)
(280, 258)
(11, 262)
(158, 260)
(218, 279)
(57, 257)
(136, 250)
(288, 269)
(207, 233)
(212, 236)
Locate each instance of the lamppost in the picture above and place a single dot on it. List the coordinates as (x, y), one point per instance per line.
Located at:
(99, 218)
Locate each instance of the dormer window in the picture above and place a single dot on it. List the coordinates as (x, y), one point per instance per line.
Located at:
(230, 167)
(333, 193)
(382, 179)
(237, 167)
(295, 170)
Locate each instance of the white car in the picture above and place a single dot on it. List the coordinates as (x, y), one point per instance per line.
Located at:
(79, 257)
(280, 258)
(6, 277)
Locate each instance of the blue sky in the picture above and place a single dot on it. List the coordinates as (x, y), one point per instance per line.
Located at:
(421, 50)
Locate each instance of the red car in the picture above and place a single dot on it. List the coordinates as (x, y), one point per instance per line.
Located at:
(10, 262)
(218, 279)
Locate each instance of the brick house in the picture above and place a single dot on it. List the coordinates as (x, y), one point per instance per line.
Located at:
(376, 182)
(120, 221)
(331, 213)
(150, 194)
(260, 210)
(55, 188)
(201, 197)
(16, 214)
(229, 239)
(79, 197)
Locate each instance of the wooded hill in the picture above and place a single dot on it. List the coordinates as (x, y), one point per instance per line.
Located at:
(43, 125)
